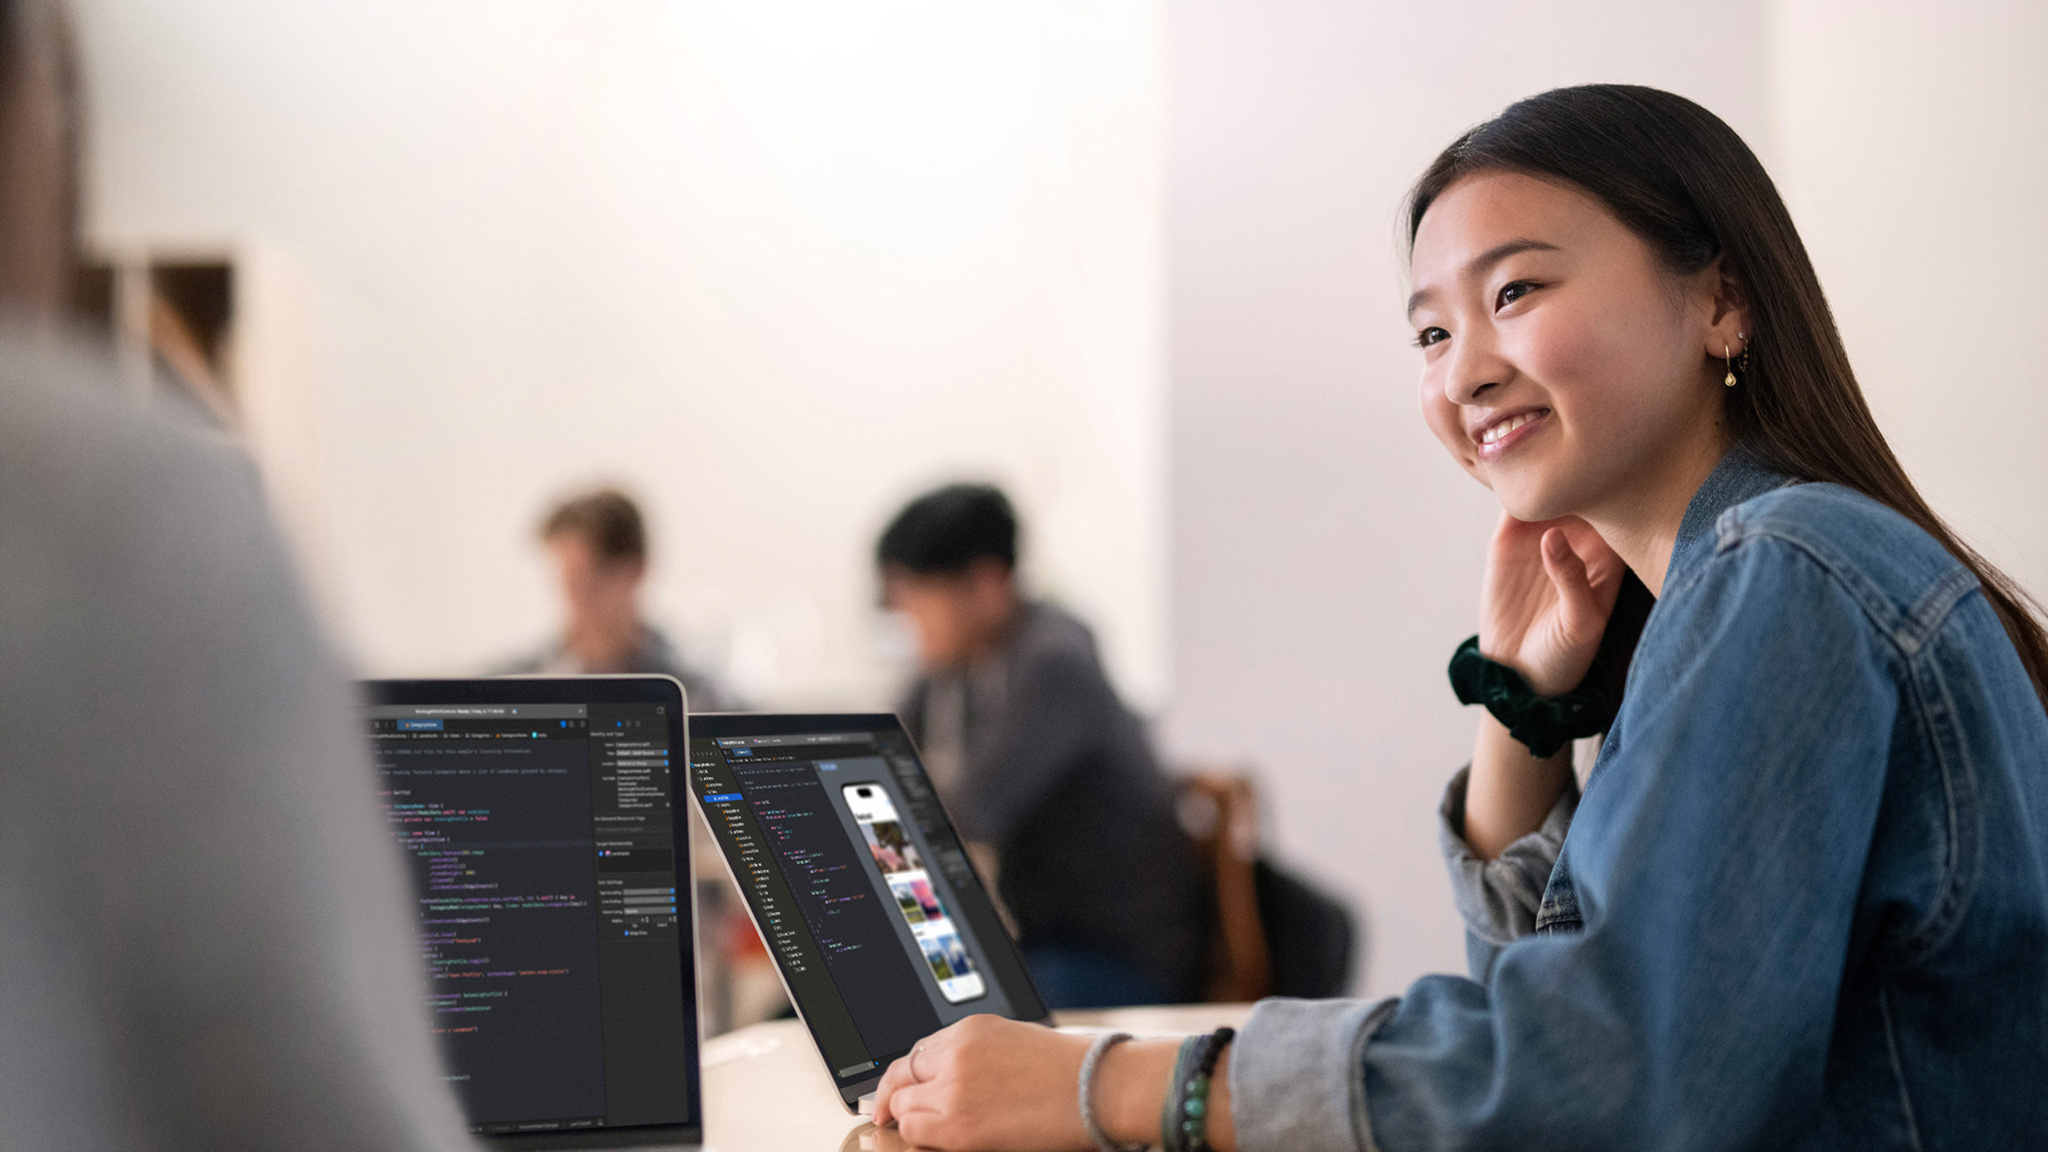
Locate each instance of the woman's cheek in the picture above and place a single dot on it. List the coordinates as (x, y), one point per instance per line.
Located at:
(1567, 355)
(1589, 377)
(1448, 424)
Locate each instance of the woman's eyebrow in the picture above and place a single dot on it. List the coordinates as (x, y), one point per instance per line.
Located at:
(1485, 260)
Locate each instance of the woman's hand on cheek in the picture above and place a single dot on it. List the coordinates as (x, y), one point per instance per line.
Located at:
(988, 1084)
(1550, 587)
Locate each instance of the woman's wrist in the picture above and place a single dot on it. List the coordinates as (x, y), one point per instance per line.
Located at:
(1510, 791)
(1131, 1085)
(1548, 680)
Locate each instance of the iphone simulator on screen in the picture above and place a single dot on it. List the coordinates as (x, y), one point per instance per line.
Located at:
(904, 871)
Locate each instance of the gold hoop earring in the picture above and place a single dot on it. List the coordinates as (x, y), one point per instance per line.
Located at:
(1728, 356)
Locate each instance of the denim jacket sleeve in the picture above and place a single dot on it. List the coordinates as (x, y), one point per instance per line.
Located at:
(1499, 898)
(1684, 998)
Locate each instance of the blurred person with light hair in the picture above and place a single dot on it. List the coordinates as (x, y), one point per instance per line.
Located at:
(203, 931)
(597, 541)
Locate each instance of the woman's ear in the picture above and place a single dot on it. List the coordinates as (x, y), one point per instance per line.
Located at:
(1728, 328)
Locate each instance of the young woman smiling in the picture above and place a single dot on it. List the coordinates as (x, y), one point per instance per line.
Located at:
(1803, 902)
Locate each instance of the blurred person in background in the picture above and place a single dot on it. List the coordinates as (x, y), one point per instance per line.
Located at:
(1049, 777)
(598, 543)
(202, 920)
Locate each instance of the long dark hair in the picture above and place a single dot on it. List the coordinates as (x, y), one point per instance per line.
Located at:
(1680, 178)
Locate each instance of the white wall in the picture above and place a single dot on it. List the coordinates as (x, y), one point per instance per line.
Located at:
(1914, 154)
(1326, 552)
(774, 265)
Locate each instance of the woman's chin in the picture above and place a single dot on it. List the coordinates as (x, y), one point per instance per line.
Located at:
(1528, 503)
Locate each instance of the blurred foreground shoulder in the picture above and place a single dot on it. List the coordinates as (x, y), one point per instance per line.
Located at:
(202, 920)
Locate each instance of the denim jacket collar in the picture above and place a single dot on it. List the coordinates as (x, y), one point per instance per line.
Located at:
(1738, 477)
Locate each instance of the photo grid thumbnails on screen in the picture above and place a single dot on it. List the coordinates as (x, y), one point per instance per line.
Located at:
(904, 869)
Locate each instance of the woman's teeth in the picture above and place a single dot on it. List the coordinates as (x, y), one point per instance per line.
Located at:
(1504, 427)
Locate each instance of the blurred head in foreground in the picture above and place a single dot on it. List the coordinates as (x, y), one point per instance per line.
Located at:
(39, 137)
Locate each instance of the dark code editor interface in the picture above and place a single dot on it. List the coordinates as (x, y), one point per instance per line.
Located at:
(872, 961)
(542, 849)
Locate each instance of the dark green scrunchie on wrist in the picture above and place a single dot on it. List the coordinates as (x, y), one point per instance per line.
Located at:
(1543, 723)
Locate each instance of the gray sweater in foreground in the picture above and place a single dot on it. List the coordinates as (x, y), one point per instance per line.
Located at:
(203, 940)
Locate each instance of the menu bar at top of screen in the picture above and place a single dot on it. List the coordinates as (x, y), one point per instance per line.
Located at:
(479, 711)
(787, 741)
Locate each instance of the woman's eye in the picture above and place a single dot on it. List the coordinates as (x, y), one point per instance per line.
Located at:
(1428, 336)
(1512, 292)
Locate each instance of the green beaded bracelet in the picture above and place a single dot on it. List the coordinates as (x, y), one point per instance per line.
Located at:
(1186, 1125)
(1171, 1138)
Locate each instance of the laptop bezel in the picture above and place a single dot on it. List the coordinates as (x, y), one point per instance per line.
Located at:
(712, 725)
(595, 689)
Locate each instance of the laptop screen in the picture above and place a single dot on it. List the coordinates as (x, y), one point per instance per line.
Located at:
(537, 822)
(861, 889)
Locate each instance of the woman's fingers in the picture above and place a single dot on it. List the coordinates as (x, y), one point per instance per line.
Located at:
(927, 1129)
(903, 1074)
(910, 1105)
(1549, 588)
(1579, 607)
(893, 1080)
(926, 1112)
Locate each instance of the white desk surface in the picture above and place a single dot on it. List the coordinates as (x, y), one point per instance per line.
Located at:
(765, 1089)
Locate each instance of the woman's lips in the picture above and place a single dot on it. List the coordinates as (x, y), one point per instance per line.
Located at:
(1503, 435)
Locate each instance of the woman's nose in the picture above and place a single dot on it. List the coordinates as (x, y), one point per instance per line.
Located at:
(1471, 370)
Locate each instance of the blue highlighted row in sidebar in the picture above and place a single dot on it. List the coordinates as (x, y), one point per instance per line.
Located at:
(721, 797)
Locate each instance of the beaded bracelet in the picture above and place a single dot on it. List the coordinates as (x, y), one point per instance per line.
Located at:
(1184, 1127)
(1171, 1138)
(1096, 1051)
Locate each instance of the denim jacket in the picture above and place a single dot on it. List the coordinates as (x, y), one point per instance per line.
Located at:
(1803, 902)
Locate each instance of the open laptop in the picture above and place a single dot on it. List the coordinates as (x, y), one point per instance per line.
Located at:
(553, 896)
(881, 930)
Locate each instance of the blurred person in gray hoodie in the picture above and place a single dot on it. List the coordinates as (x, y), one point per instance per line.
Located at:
(1050, 777)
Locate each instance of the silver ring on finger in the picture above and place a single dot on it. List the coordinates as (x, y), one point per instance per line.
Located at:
(914, 1077)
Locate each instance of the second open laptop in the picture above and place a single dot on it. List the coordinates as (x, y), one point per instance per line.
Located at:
(877, 922)
(551, 892)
